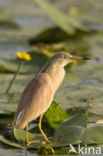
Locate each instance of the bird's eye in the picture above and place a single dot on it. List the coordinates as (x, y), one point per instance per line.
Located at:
(69, 57)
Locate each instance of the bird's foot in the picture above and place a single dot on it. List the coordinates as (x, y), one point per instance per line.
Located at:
(46, 141)
(37, 141)
(32, 142)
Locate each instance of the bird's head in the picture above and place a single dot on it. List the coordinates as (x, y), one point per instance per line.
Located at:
(65, 58)
(62, 58)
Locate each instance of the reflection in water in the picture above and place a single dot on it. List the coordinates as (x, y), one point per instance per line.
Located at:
(26, 153)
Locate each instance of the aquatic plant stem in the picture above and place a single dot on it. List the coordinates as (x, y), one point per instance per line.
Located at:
(14, 78)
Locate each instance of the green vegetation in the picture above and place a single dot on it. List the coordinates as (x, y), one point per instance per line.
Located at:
(78, 104)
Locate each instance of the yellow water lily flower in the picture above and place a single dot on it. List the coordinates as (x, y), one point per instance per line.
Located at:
(74, 11)
(23, 56)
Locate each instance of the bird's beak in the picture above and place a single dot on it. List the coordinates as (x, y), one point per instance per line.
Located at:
(73, 58)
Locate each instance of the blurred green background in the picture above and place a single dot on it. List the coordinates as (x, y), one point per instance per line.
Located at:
(44, 28)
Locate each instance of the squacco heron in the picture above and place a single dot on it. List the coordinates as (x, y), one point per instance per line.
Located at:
(39, 93)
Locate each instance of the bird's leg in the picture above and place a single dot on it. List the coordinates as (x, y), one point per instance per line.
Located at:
(43, 134)
(27, 140)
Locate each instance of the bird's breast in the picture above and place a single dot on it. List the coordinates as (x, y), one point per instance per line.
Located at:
(57, 79)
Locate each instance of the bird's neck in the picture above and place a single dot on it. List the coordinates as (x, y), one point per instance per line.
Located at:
(56, 73)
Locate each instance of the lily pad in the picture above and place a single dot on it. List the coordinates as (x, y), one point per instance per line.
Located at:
(20, 135)
(55, 115)
(71, 130)
(8, 24)
(10, 143)
(68, 135)
(93, 134)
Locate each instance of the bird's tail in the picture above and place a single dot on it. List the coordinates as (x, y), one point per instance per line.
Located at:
(17, 122)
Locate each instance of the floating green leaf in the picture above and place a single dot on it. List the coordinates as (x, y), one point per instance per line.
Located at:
(74, 131)
(8, 24)
(55, 115)
(71, 130)
(79, 119)
(68, 135)
(93, 134)
(10, 143)
(20, 135)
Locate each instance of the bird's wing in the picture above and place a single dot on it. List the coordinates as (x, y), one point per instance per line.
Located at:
(35, 99)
